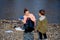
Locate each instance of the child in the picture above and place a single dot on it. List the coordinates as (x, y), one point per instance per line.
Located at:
(42, 25)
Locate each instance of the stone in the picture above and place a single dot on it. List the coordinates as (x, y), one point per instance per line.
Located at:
(53, 32)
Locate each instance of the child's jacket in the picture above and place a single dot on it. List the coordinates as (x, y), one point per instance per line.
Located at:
(42, 26)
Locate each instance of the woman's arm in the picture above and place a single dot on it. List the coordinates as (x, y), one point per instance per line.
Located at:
(33, 19)
(24, 20)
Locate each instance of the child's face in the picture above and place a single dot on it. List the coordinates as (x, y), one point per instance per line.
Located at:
(42, 12)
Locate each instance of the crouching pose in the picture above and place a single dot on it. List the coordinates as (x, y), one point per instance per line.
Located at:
(29, 23)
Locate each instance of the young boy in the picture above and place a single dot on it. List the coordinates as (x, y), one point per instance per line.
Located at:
(42, 25)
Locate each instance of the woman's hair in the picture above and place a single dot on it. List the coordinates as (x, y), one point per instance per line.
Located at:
(25, 10)
(40, 11)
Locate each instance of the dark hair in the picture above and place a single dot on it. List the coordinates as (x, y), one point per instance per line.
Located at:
(25, 10)
(40, 11)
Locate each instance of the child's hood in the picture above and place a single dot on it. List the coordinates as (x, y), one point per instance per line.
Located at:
(42, 18)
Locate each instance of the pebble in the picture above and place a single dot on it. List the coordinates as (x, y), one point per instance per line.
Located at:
(53, 33)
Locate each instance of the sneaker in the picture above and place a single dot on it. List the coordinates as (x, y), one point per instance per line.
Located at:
(19, 29)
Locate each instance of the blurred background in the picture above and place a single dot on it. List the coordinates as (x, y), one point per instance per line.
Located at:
(13, 9)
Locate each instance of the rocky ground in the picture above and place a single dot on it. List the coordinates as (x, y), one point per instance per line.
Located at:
(53, 32)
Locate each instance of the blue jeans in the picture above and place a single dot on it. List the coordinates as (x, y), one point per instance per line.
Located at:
(28, 36)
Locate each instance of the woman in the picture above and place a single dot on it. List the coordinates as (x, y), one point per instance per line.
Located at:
(29, 24)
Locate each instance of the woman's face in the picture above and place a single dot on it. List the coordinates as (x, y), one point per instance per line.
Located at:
(27, 13)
